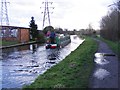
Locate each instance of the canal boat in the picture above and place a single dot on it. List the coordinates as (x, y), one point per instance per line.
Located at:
(60, 41)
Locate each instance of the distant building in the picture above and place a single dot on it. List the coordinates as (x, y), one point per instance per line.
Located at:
(13, 33)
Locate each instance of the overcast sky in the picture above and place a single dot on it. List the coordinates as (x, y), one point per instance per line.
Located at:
(68, 14)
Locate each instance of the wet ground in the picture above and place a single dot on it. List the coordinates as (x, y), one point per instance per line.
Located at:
(105, 74)
(21, 65)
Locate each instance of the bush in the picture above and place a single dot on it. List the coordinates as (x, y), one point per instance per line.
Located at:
(41, 38)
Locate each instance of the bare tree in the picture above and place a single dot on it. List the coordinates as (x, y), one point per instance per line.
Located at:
(110, 25)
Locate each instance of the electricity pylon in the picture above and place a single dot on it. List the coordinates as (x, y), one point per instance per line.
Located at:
(46, 12)
(4, 13)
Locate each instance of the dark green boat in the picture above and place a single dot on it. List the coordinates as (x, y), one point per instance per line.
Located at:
(60, 41)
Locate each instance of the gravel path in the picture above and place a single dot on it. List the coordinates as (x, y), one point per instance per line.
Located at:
(105, 73)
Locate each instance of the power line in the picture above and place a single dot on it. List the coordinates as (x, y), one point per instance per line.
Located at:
(4, 13)
(46, 12)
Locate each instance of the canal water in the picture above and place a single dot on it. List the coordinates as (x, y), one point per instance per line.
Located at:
(21, 65)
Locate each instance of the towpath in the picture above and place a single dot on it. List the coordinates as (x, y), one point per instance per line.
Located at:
(105, 73)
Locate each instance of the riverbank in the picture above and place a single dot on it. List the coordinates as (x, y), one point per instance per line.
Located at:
(8, 44)
(113, 45)
(73, 72)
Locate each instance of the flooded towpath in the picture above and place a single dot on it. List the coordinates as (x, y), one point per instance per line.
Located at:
(105, 74)
(21, 65)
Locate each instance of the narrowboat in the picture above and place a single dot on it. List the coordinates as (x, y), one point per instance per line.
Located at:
(59, 41)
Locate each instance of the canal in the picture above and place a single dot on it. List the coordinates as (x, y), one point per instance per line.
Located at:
(21, 65)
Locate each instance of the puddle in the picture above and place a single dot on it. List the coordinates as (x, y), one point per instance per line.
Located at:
(101, 73)
(104, 54)
(99, 55)
(100, 59)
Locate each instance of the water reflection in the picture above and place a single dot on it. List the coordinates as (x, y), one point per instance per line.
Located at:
(33, 47)
(100, 59)
(21, 65)
(13, 52)
(53, 56)
(101, 73)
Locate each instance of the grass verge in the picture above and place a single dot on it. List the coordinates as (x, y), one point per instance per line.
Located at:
(72, 72)
(113, 45)
(7, 43)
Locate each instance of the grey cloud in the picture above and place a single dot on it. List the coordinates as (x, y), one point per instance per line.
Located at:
(22, 2)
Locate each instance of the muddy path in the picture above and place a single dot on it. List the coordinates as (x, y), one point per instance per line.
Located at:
(105, 73)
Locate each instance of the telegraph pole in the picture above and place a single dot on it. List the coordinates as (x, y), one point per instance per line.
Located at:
(46, 12)
(4, 13)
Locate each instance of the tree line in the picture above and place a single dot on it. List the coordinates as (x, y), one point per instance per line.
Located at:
(110, 24)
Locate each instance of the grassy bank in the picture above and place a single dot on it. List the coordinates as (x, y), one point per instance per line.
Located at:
(113, 45)
(73, 72)
(7, 43)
